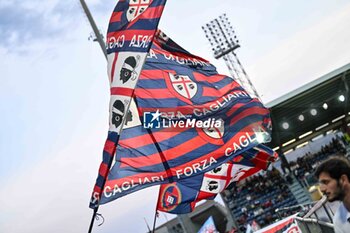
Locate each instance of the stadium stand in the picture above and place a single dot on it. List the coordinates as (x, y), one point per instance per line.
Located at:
(258, 197)
(314, 110)
(268, 196)
(283, 190)
(303, 167)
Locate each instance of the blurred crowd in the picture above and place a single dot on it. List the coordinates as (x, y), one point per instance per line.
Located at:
(256, 199)
(303, 167)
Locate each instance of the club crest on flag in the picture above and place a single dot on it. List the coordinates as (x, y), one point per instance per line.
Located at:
(183, 85)
(170, 197)
(216, 132)
(213, 135)
(136, 7)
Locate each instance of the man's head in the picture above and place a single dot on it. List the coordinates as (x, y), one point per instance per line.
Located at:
(334, 175)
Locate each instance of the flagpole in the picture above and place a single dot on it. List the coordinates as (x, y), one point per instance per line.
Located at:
(98, 35)
(154, 221)
(93, 219)
(102, 44)
(113, 136)
(156, 211)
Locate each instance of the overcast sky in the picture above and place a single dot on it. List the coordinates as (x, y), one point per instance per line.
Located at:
(54, 94)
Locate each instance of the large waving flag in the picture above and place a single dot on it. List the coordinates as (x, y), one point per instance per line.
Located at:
(176, 92)
(180, 197)
(130, 34)
(185, 120)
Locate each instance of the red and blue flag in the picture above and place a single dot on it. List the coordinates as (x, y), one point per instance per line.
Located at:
(208, 185)
(185, 120)
(130, 34)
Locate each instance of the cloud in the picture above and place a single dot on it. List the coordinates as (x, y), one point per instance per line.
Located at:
(23, 23)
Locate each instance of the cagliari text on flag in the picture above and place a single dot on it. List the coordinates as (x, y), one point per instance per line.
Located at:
(180, 197)
(185, 119)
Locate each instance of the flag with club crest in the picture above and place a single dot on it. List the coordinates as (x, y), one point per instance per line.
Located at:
(130, 34)
(181, 197)
(185, 119)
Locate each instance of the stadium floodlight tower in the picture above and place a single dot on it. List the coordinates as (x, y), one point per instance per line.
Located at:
(224, 42)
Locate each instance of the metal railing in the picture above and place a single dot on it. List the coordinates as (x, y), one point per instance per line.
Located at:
(319, 217)
(312, 225)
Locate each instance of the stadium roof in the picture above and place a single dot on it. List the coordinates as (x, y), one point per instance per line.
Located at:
(311, 110)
